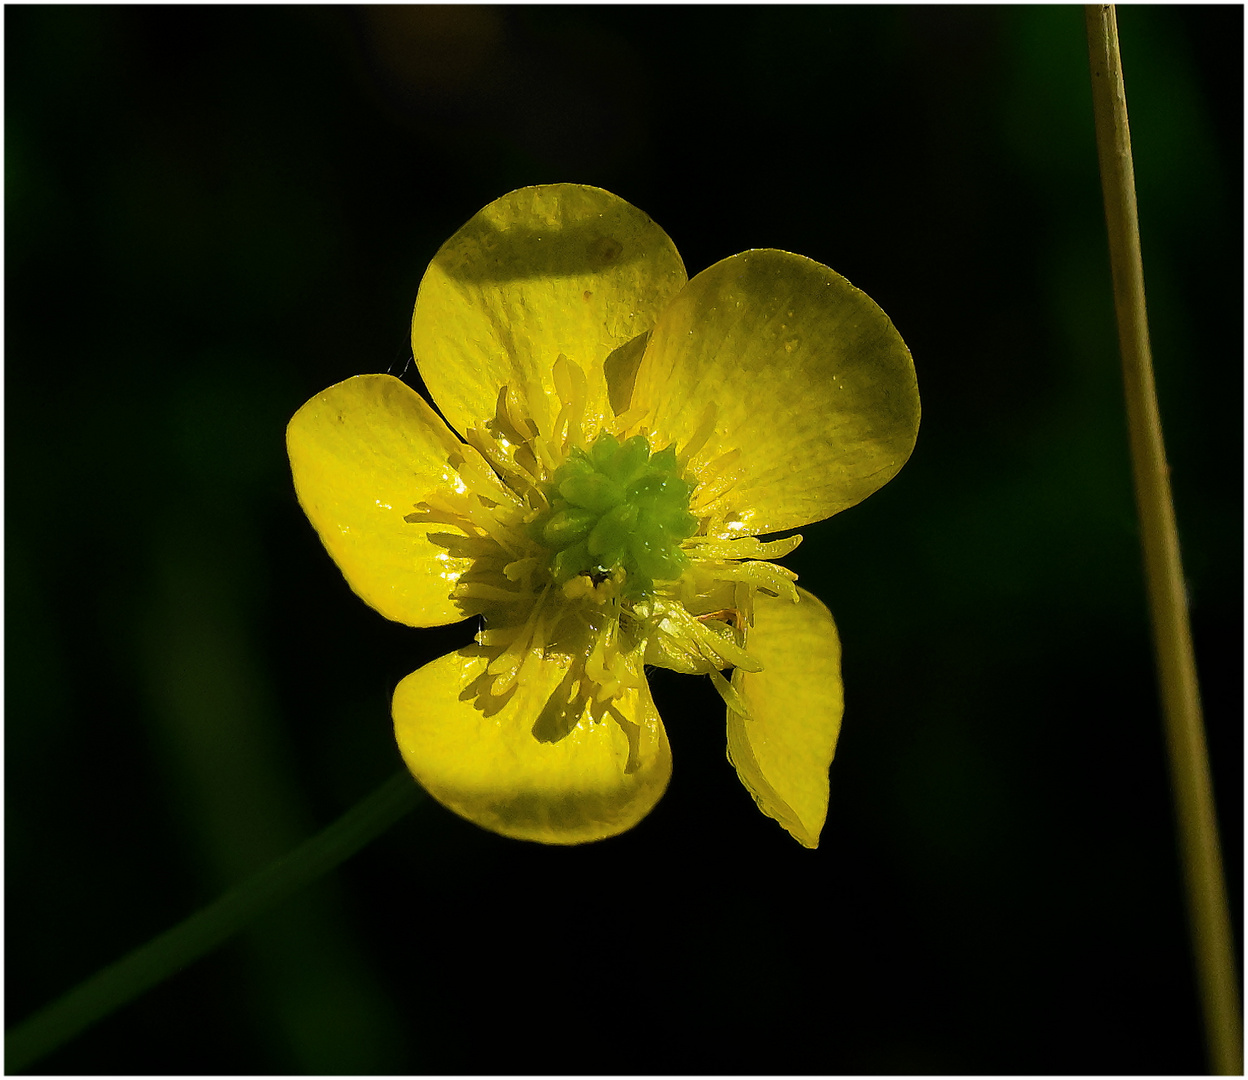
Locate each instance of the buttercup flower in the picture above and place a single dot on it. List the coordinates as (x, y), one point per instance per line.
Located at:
(614, 439)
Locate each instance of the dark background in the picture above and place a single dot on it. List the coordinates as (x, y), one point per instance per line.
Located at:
(213, 214)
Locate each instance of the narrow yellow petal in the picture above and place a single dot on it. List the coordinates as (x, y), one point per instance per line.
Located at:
(544, 271)
(806, 388)
(532, 763)
(783, 751)
(363, 454)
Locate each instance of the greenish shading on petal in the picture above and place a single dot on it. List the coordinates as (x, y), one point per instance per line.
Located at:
(807, 388)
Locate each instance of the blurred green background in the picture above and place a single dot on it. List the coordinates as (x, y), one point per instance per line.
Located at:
(213, 214)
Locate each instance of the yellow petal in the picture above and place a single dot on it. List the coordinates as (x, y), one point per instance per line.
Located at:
(783, 751)
(363, 453)
(521, 766)
(560, 268)
(809, 387)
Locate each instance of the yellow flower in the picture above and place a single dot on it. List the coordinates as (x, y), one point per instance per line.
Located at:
(616, 440)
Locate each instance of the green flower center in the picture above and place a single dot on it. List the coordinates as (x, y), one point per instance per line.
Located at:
(617, 507)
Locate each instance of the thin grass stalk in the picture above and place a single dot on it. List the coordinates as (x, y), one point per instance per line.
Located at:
(1200, 852)
(150, 964)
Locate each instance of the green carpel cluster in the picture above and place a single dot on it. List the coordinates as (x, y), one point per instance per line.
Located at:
(617, 506)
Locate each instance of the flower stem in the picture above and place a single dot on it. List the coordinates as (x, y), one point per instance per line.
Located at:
(1185, 736)
(150, 964)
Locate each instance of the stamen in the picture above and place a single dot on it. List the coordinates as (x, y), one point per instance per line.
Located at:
(501, 636)
(479, 590)
(481, 479)
(629, 419)
(740, 547)
(597, 672)
(507, 665)
(717, 649)
(716, 479)
(504, 423)
(504, 533)
(533, 394)
(704, 647)
(731, 616)
(729, 693)
(521, 480)
(773, 579)
(606, 667)
(705, 429)
(520, 570)
(743, 595)
(573, 391)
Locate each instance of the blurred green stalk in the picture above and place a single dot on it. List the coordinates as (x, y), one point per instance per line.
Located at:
(1185, 733)
(150, 964)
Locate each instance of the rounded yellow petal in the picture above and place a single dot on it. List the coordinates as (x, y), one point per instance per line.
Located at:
(783, 750)
(560, 268)
(805, 387)
(363, 453)
(532, 764)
